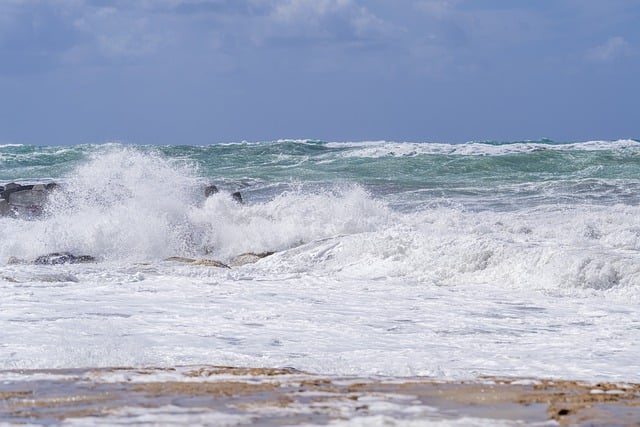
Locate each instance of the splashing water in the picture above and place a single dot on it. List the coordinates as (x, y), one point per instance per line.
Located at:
(389, 258)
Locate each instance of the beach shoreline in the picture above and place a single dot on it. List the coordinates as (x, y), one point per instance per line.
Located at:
(220, 395)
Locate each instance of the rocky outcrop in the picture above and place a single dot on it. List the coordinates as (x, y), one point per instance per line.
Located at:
(58, 258)
(203, 262)
(54, 258)
(24, 201)
(242, 259)
(248, 258)
(5, 208)
(210, 190)
(237, 197)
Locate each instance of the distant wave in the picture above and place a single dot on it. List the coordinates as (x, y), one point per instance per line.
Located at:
(487, 148)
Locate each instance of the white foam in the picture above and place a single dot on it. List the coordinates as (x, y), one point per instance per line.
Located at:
(168, 415)
(385, 420)
(376, 149)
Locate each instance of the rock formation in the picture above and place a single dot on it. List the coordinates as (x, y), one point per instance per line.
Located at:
(24, 201)
(54, 258)
(210, 190)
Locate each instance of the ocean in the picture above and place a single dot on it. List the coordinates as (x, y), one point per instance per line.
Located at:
(452, 261)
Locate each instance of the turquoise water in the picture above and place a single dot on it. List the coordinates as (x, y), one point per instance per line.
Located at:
(486, 175)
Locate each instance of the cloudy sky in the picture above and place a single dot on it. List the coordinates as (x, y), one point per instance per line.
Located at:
(206, 71)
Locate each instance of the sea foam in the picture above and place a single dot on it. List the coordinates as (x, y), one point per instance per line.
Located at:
(443, 266)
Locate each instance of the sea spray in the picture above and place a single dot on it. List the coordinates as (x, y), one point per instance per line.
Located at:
(127, 204)
(120, 203)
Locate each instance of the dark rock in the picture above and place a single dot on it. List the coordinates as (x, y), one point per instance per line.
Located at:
(210, 190)
(5, 208)
(9, 188)
(237, 197)
(56, 258)
(25, 201)
(28, 197)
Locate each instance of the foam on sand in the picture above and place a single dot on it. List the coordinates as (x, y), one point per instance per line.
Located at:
(230, 396)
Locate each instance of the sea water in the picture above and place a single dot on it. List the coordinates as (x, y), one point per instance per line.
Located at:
(453, 261)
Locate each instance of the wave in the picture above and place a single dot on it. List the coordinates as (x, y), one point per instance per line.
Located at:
(126, 205)
(18, 159)
(544, 249)
(376, 149)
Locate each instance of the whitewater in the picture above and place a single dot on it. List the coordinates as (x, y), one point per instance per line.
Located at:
(454, 261)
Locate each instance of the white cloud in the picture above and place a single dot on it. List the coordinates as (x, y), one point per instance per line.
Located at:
(614, 48)
(293, 11)
(437, 8)
(119, 34)
(326, 19)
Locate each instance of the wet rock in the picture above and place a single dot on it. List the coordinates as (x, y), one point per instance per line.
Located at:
(192, 261)
(210, 263)
(24, 201)
(237, 197)
(5, 208)
(56, 258)
(35, 196)
(210, 190)
(8, 189)
(249, 258)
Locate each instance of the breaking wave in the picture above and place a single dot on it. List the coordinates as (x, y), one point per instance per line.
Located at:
(126, 204)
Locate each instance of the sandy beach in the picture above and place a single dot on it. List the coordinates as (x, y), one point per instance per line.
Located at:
(217, 395)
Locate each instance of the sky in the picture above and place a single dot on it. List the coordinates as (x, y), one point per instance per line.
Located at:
(209, 71)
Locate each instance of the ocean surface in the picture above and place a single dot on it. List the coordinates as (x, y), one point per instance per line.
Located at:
(458, 261)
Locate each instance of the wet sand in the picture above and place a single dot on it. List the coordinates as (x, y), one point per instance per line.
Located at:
(216, 395)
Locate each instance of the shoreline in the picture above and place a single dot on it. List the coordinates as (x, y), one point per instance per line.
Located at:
(220, 395)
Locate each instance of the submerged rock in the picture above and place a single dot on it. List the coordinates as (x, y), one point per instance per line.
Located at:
(237, 197)
(249, 258)
(242, 259)
(63, 258)
(54, 258)
(5, 208)
(210, 190)
(192, 261)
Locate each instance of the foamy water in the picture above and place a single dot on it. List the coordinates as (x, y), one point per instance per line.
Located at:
(513, 262)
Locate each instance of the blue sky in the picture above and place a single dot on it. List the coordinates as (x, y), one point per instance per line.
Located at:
(199, 72)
